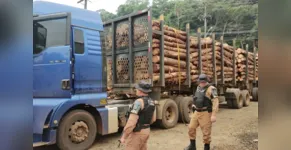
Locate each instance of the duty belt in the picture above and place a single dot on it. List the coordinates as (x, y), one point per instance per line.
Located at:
(201, 109)
(139, 128)
(145, 126)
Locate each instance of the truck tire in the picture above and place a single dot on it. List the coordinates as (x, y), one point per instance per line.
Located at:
(221, 99)
(77, 131)
(234, 98)
(255, 94)
(246, 98)
(173, 97)
(185, 109)
(170, 114)
(178, 99)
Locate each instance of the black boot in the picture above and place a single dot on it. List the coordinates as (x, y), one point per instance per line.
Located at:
(192, 145)
(206, 146)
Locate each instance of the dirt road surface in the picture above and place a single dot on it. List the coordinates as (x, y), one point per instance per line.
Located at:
(234, 130)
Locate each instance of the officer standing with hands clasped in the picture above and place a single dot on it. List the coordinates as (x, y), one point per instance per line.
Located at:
(142, 113)
(205, 106)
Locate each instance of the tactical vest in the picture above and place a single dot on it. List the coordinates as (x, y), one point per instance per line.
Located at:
(145, 115)
(201, 100)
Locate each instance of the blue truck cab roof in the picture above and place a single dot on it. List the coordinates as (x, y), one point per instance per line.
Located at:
(79, 17)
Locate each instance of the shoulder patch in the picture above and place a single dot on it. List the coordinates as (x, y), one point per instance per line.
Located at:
(214, 92)
(136, 108)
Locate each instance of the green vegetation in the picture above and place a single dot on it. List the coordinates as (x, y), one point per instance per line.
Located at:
(231, 18)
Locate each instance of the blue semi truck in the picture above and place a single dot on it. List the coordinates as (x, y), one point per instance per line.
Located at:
(75, 60)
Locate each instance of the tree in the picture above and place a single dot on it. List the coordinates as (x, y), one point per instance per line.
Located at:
(131, 6)
(234, 17)
(105, 15)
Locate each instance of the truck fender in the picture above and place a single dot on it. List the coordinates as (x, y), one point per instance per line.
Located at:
(42, 112)
(92, 101)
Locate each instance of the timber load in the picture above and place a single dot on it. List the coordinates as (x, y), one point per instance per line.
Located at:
(241, 58)
(207, 58)
(175, 56)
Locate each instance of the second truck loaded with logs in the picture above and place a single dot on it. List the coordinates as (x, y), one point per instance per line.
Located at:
(140, 48)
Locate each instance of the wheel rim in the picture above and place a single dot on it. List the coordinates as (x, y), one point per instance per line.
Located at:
(170, 114)
(78, 132)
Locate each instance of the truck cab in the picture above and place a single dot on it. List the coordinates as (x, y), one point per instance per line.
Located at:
(69, 86)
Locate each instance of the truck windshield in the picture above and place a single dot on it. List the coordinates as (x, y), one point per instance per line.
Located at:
(48, 33)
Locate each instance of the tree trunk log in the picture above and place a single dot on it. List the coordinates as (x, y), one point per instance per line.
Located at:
(170, 54)
(156, 76)
(167, 68)
(169, 61)
(204, 52)
(204, 41)
(175, 45)
(174, 40)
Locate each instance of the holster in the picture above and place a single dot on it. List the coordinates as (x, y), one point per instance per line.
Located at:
(139, 127)
(193, 109)
(209, 110)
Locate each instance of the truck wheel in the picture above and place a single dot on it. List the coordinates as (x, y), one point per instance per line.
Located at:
(173, 97)
(178, 99)
(221, 99)
(185, 109)
(169, 114)
(234, 98)
(77, 131)
(246, 97)
(255, 94)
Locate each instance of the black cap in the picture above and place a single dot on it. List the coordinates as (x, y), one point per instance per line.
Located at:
(202, 77)
(143, 86)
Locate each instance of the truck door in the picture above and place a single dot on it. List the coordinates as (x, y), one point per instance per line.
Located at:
(52, 56)
(88, 62)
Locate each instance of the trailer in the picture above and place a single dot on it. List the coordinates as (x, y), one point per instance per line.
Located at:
(130, 60)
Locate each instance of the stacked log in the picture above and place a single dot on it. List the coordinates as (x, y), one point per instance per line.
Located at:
(175, 50)
(207, 61)
(174, 54)
(241, 58)
(206, 55)
(228, 63)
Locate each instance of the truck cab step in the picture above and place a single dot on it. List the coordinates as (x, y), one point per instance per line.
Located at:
(37, 144)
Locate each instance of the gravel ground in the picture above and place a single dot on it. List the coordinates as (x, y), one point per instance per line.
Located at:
(234, 130)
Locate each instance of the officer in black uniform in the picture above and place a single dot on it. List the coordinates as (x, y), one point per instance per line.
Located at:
(205, 107)
(142, 115)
